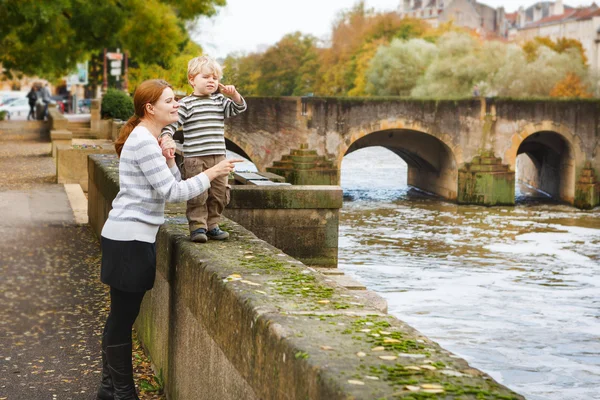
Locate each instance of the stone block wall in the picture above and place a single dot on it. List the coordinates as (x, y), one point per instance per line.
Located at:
(301, 220)
(239, 319)
(72, 162)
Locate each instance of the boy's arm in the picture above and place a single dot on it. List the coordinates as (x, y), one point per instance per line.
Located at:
(233, 102)
(172, 128)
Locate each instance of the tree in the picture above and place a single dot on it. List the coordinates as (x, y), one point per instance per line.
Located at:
(175, 73)
(49, 38)
(281, 64)
(243, 71)
(395, 69)
(571, 86)
(561, 45)
(455, 69)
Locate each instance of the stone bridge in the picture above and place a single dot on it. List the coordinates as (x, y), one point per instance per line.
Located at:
(464, 150)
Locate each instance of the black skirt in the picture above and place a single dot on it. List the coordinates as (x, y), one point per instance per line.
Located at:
(129, 266)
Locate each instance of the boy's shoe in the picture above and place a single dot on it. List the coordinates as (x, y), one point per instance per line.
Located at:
(217, 234)
(199, 236)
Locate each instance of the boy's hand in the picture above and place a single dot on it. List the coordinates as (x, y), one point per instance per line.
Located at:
(167, 144)
(230, 91)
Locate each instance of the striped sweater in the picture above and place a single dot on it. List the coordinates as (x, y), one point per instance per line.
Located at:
(145, 183)
(203, 120)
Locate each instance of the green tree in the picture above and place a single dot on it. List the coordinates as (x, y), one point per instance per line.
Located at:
(395, 69)
(282, 64)
(243, 72)
(456, 68)
(50, 37)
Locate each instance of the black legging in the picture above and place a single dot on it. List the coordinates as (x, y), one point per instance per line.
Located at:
(124, 309)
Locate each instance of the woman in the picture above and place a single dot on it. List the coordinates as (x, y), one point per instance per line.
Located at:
(32, 98)
(129, 234)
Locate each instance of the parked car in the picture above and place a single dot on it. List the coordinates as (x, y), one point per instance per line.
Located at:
(8, 95)
(18, 107)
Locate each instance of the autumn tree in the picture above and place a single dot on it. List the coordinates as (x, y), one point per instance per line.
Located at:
(561, 45)
(571, 86)
(50, 37)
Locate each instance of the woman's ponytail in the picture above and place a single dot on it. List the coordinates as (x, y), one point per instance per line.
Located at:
(147, 93)
(125, 132)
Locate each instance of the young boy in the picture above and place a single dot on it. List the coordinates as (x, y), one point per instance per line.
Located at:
(202, 115)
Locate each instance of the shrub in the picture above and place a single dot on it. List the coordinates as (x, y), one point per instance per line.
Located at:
(117, 105)
(3, 115)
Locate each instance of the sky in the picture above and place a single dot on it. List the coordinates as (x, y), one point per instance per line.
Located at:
(253, 25)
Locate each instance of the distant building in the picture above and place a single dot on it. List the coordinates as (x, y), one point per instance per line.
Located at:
(546, 18)
(554, 20)
(466, 13)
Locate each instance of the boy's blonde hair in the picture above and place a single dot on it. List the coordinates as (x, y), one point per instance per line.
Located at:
(204, 63)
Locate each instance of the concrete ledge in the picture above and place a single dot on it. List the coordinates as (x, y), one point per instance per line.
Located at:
(71, 160)
(241, 320)
(24, 129)
(299, 197)
(60, 138)
(78, 202)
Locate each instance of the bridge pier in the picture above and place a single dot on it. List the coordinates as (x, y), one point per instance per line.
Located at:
(486, 181)
(587, 189)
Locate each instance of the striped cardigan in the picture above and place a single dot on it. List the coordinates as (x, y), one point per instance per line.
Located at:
(145, 183)
(203, 120)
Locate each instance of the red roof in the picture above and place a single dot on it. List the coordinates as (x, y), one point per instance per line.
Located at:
(576, 14)
(512, 17)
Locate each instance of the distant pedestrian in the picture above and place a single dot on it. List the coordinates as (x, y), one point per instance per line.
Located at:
(43, 98)
(148, 177)
(476, 92)
(202, 115)
(32, 98)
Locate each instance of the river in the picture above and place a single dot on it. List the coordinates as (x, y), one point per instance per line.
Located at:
(513, 290)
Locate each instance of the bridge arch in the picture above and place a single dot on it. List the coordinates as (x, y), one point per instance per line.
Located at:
(243, 150)
(432, 162)
(545, 156)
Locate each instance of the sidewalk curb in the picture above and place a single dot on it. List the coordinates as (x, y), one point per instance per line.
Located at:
(78, 202)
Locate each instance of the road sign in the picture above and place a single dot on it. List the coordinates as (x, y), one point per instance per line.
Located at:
(79, 76)
(114, 56)
(115, 64)
(115, 71)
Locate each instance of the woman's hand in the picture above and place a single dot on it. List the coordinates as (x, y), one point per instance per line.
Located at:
(167, 144)
(222, 169)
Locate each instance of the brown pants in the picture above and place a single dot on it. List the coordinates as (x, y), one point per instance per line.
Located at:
(204, 211)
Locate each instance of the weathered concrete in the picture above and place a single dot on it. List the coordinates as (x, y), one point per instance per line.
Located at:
(435, 138)
(71, 160)
(239, 319)
(30, 130)
(60, 138)
(301, 220)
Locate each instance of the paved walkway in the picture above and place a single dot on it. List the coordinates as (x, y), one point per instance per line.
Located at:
(52, 304)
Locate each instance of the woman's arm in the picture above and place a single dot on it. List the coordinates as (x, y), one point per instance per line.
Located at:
(160, 177)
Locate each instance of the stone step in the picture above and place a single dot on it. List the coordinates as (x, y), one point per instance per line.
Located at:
(306, 159)
(347, 282)
(303, 152)
(372, 299)
(329, 271)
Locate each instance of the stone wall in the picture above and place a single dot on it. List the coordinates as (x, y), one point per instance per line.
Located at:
(72, 161)
(301, 220)
(24, 130)
(239, 319)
